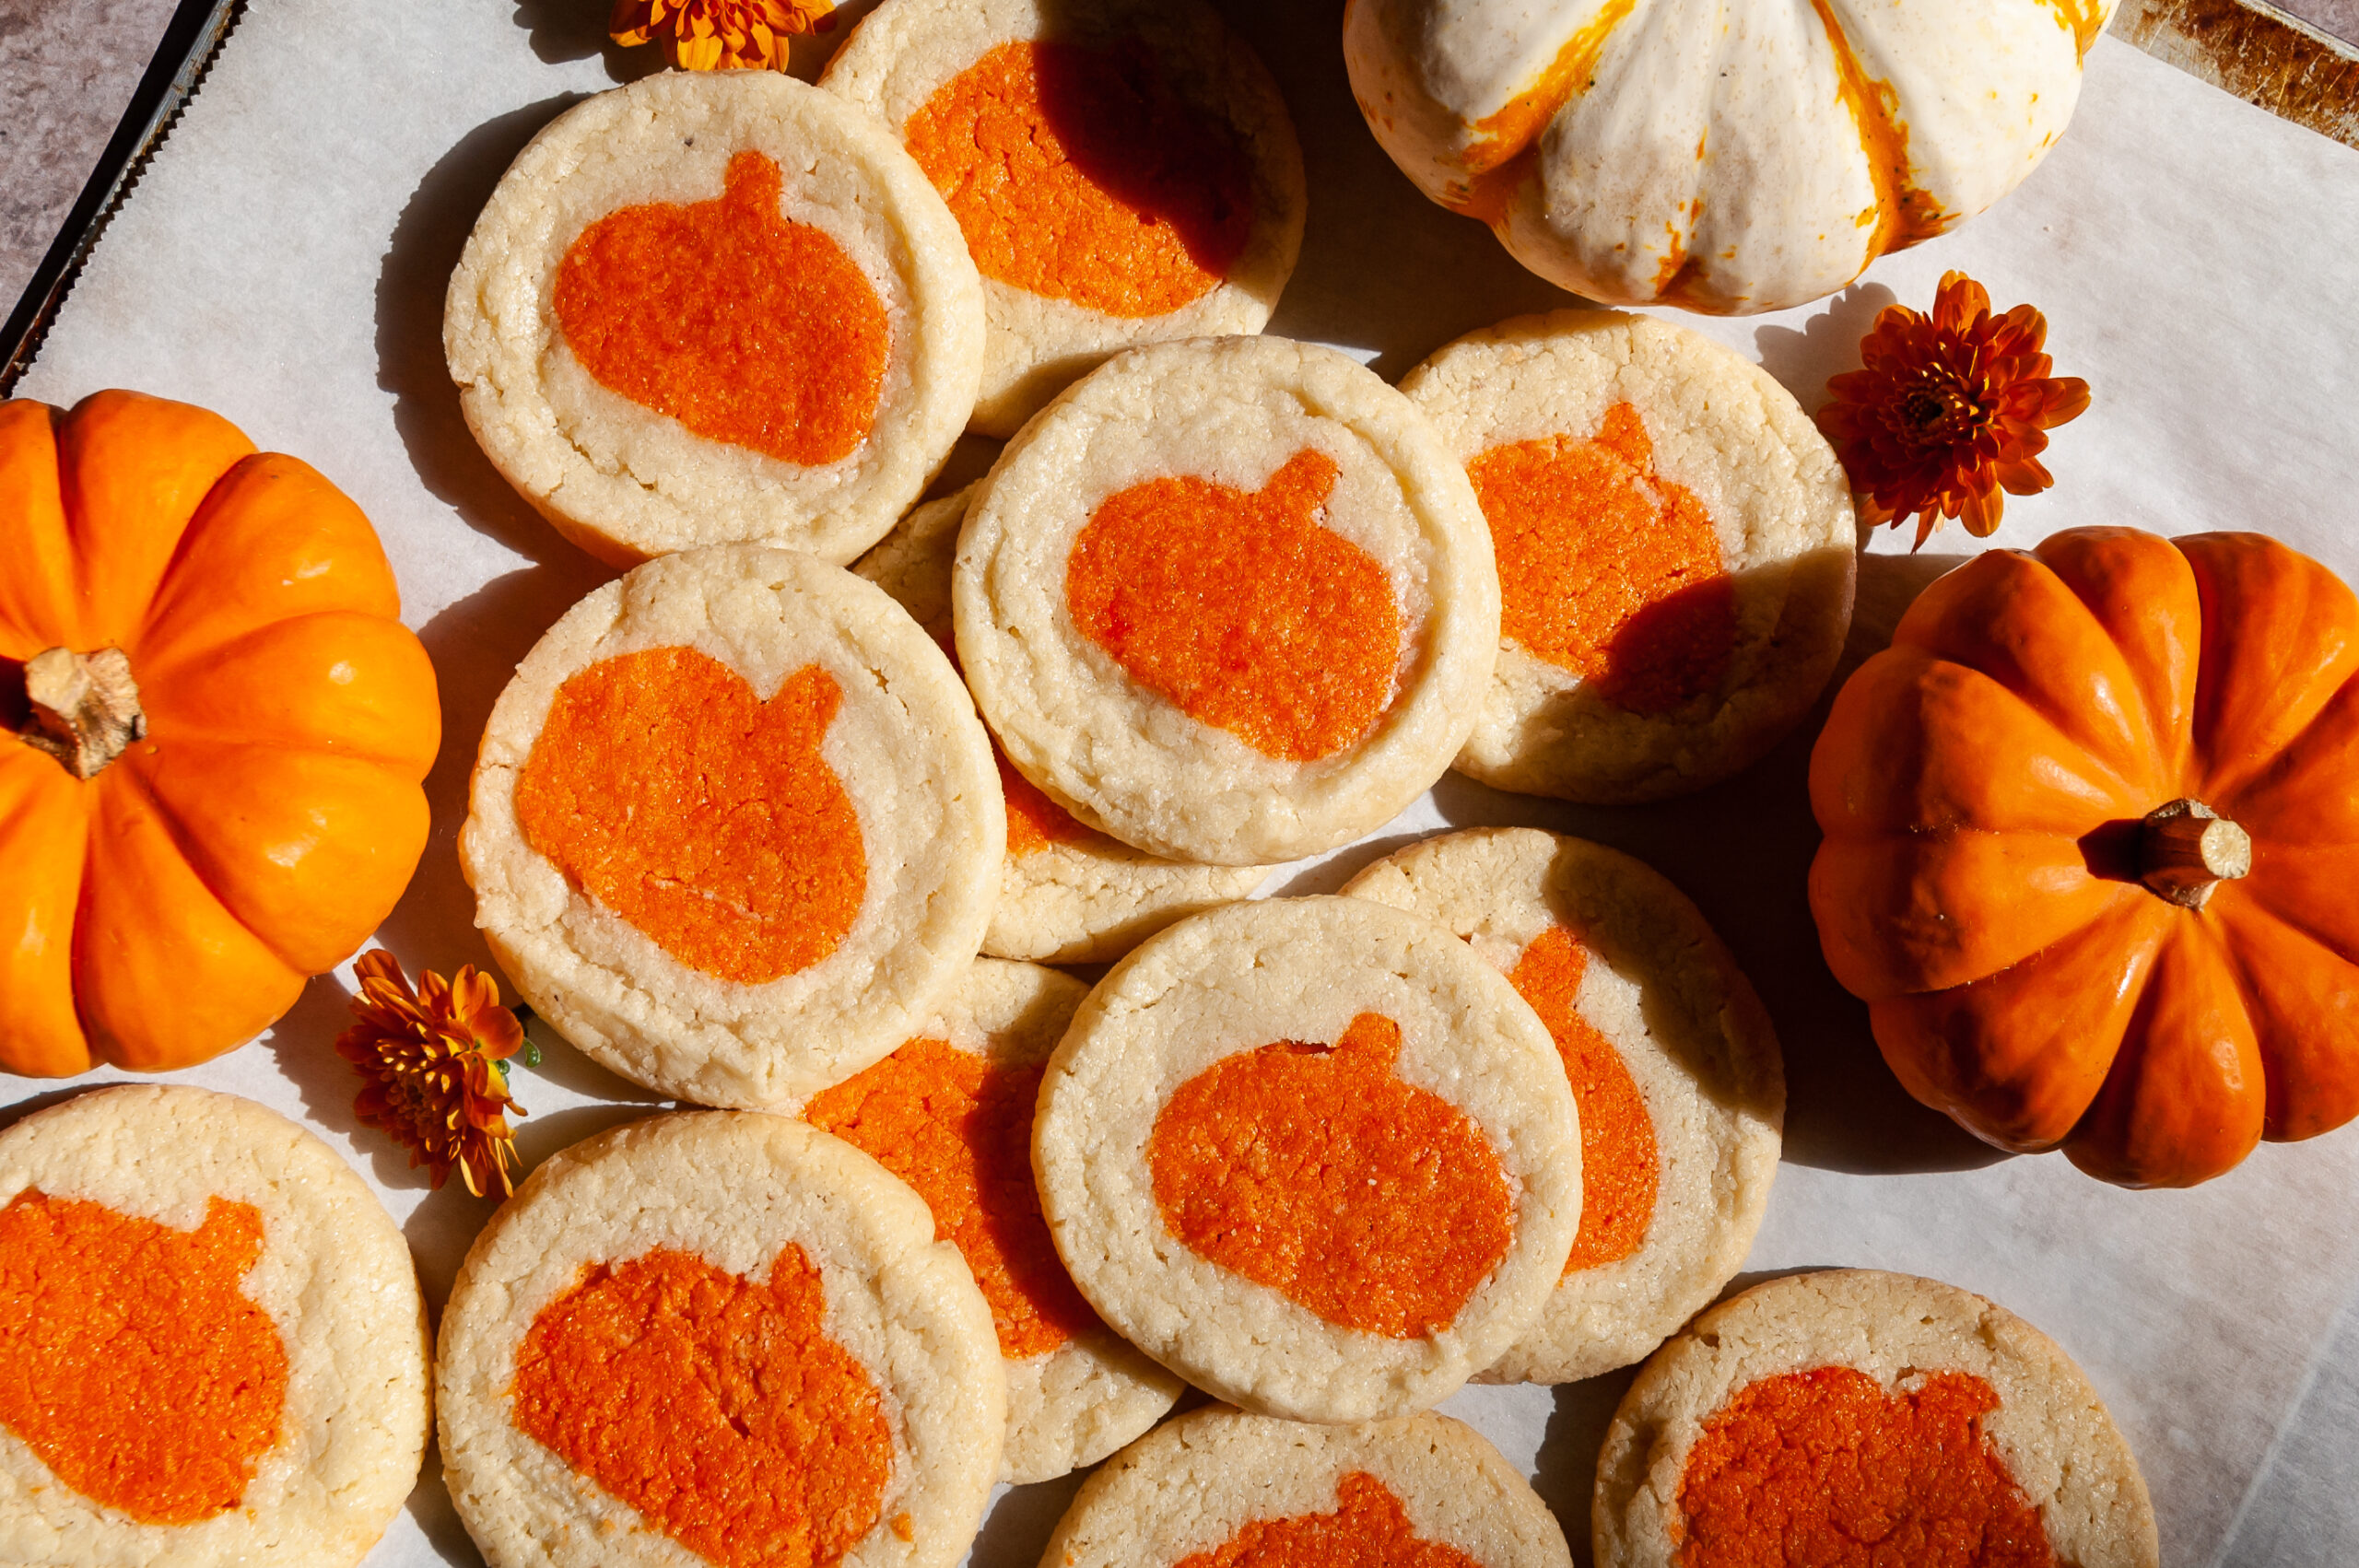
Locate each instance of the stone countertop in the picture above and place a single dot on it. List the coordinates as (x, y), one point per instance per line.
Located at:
(68, 68)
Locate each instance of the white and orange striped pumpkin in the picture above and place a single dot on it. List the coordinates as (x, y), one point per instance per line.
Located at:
(1728, 155)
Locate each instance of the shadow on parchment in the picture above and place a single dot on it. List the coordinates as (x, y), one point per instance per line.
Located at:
(561, 30)
(1742, 850)
(477, 641)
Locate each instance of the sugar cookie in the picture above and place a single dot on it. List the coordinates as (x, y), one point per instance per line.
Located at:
(715, 306)
(950, 1113)
(1123, 172)
(734, 828)
(1672, 1062)
(1219, 1489)
(212, 1345)
(1675, 552)
(717, 1338)
(1311, 1155)
(1229, 599)
(1070, 895)
(1851, 1404)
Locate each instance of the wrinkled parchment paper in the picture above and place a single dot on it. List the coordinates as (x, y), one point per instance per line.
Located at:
(282, 261)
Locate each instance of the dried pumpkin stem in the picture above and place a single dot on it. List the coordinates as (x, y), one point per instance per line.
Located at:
(2188, 849)
(86, 708)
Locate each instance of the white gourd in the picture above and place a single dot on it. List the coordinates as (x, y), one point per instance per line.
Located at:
(1728, 155)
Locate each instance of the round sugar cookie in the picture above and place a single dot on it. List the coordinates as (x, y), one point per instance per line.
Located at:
(1311, 1155)
(950, 1113)
(1229, 599)
(1850, 1405)
(1217, 1487)
(212, 1345)
(717, 1338)
(734, 828)
(1070, 895)
(1123, 172)
(1675, 552)
(1671, 1060)
(715, 306)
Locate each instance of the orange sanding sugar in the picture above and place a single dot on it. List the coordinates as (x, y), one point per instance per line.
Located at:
(706, 818)
(1077, 173)
(1239, 606)
(959, 1131)
(1618, 1159)
(132, 1362)
(1606, 568)
(1824, 1468)
(746, 327)
(716, 1407)
(1034, 820)
(1315, 1171)
(1370, 1528)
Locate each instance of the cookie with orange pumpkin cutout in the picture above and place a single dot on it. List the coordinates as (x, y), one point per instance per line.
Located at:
(1671, 1057)
(1229, 599)
(950, 1113)
(1070, 894)
(1313, 1155)
(1123, 172)
(733, 827)
(1850, 1415)
(717, 1338)
(713, 308)
(1675, 547)
(212, 1345)
(1220, 1489)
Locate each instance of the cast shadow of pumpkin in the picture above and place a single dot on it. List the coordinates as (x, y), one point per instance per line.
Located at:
(1827, 346)
(1364, 278)
(1742, 849)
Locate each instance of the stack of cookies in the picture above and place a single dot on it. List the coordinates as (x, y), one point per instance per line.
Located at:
(786, 821)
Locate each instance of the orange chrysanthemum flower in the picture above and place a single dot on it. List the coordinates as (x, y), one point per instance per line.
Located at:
(1949, 409)
(708, 35)
(434, 1060)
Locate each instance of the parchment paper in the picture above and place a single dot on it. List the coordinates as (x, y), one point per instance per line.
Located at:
(284, 259)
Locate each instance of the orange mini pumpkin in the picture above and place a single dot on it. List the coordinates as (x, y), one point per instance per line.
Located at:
(2091, 846)
(220, 727)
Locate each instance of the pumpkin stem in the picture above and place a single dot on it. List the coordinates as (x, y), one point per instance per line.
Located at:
(86, 708)
(2187, 849)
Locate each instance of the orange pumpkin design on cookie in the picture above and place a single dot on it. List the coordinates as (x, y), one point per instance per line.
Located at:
(664, 789)
(958, 1129)
(1606, 568)
(1620, 1163)
(1318, 1172)
(1368, 1529)
(744, 325)
(1075, 172)
(717, 1407)
(1826, 1467)
(132, 1362)
(1242, 607)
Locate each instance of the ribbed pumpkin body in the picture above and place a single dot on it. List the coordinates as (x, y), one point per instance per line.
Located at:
(1988, 882)
(1728, 156)
(172, 905)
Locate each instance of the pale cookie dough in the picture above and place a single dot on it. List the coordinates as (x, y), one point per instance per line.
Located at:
(1664, 995)
(1070, 895)
(1209, 994)
(1211, 432)
(2050, 1432)
(904, 745)
(1196, 1484)
(1075, 1390)
(627, 482)
(904, 53)
(1778, 506)
(725, 1194)
(331, 1275)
